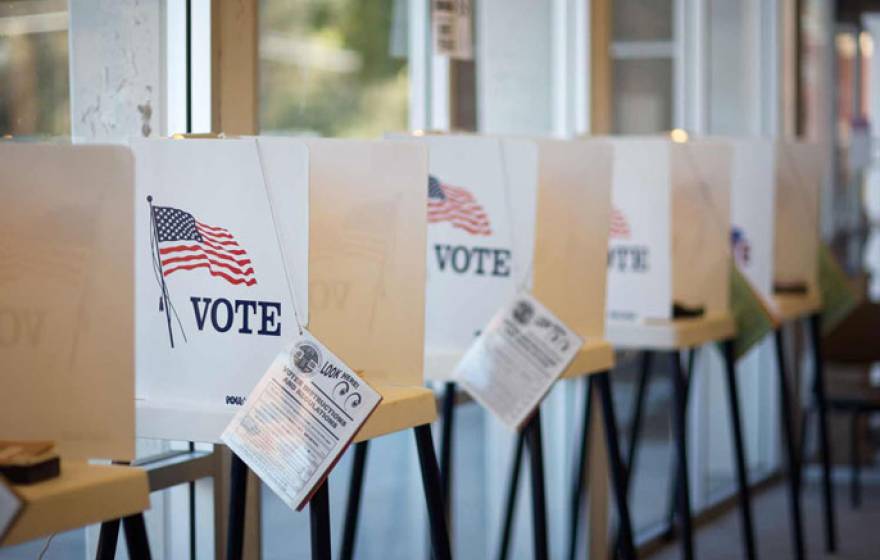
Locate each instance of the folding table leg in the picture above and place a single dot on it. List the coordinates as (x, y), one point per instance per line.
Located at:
(539, 500)
(855, 488)
(353, 506)
(635, 430)
(793, 464)
(446, 439)
(107, 539)
(510, 504)
(742, 476)
(679, 426)
(237, 494)
(136, 537)
(617, 470)
(673, 472)
(580, 472)
(319, 522)
(815, 324)
(433, 492)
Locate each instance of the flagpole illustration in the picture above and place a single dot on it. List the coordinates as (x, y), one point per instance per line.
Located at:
(164, 300)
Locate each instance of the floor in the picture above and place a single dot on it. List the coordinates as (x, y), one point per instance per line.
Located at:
(858, 530)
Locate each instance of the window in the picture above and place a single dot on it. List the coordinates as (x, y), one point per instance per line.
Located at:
(333, 68)
(34, 98)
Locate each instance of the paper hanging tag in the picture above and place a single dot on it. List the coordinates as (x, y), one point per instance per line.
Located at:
(516, 359)
(300, 418)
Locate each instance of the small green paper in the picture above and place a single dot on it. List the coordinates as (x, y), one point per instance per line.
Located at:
(838, 296)
(753, 321)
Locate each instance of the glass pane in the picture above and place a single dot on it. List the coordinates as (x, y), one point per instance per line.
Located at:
(333, 68)
(34, 91)
(642, 95)
(642, 20)
(732, 108)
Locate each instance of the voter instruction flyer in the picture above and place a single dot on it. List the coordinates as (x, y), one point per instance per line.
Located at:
(516, 359)
(299, 419)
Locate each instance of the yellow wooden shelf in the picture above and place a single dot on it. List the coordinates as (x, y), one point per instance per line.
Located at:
(82, 495)
(401, 408)
(788, 307)
(595, 356)
(675, 334)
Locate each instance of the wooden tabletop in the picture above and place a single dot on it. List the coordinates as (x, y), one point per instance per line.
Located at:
(595, 356)
(401, 408)
(82, 495)
(674, 334)
(789, 307)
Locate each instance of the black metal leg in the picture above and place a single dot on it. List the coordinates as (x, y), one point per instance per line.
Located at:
(136, 537)
(319, 522)
(192, 513)
(635, 430)
(745, 506)
(855, 488)
(510, 504)
(790, 445)
(824, 444)
(353, 506)
(107, 539)
(433, 492)
(673, 472)
(237, 494)
(616, 467)
(446, 447)
(580, 471)
(679, 427)
(539, 499)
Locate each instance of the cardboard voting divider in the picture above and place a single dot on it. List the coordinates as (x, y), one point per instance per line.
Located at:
(775, 214)
(66, 292)
(366, 255)
(480, 241)
(221, 228)
(668, 240)
(752, 209)
(799, 175)
(571, 235)
(340, 224)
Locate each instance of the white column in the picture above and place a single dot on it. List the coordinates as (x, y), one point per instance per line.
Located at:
(116, 85)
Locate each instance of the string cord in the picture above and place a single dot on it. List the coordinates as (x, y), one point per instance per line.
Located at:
(287, 273)
(524, 281)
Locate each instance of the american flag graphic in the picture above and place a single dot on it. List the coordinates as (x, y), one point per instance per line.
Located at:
(456, 206)
(184, 243)
(619, 226)
(740, 246)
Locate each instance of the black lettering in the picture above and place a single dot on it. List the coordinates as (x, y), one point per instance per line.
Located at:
(457, 264)
(442, 252)
(200, 317)
(269, 323)
(502, 262)
(481, 252)
(247, 306)
(229, 315)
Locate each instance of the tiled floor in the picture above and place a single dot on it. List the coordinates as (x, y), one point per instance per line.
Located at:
(858, 530)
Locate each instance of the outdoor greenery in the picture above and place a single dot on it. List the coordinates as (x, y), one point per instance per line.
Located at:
(333, 67)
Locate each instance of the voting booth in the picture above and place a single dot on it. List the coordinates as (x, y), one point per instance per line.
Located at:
(573, 219)
(66, 291)
(481, 195)
(668, 248)
(231, 232)
(775, 216)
